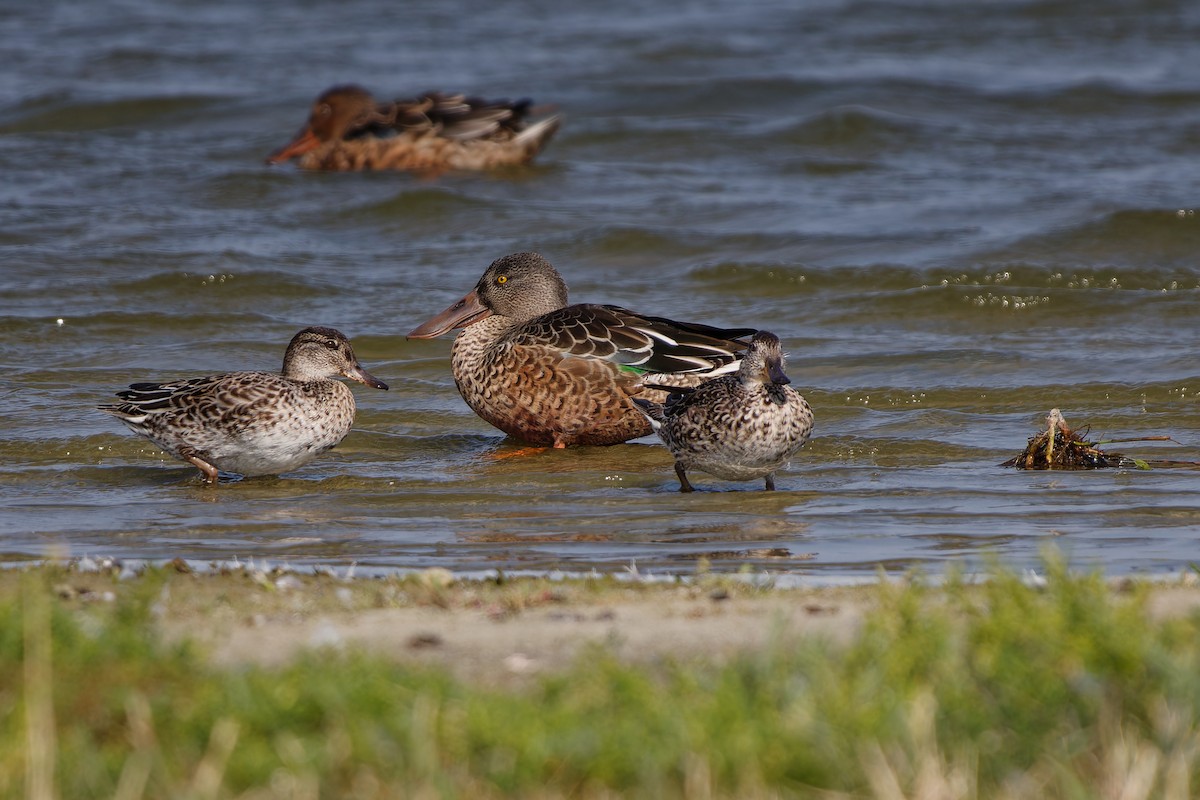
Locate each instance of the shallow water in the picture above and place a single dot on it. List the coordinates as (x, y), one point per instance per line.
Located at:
(956, 216)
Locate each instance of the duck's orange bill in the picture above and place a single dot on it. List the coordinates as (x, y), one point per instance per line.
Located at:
(306, 141)
(465, 312)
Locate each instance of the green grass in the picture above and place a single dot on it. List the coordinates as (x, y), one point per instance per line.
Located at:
(992, 690)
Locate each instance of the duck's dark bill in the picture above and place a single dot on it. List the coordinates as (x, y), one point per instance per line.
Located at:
(359, 374)
(776, 373)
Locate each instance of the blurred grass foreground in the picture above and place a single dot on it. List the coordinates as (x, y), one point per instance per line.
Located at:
(1064, 687)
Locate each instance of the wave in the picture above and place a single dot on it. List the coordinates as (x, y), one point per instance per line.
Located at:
(1152, 248)
(65, 113)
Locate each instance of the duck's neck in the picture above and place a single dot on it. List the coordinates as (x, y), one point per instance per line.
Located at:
(473, 342)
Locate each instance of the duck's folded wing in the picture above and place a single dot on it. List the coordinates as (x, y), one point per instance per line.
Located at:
(160, 396)
(462, 118)
(211, 396)
(642, 343)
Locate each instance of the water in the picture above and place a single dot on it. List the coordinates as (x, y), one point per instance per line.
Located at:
(957, 216)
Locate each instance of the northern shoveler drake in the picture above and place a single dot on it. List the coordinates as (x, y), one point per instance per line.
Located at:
(349, 130)
(553, 374)
(253, 423)
(738, 427)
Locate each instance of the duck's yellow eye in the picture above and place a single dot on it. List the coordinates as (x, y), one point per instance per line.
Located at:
(503, 279)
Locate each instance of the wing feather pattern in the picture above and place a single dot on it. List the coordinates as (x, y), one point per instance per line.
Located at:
(458, 117)
(210, 396)
(648, 344)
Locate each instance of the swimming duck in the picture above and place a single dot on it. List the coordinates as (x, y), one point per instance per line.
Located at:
(349, 130)
(738, 427)
(553, 374)
(253, 423)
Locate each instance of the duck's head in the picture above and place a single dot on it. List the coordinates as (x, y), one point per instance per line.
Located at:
(763, 362)
(335, 114)
(318, 353)
(518, 287)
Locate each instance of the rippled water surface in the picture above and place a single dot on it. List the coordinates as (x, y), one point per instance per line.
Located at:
(956, 216)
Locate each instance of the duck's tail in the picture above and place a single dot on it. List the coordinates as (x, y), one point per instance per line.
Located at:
(536, 136)
(651, 410)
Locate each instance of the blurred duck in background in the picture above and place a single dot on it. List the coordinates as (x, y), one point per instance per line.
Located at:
(348, 130)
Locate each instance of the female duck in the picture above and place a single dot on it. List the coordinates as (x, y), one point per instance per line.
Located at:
(738, 427)
(348, 130)
(557, 375)
(253, 423)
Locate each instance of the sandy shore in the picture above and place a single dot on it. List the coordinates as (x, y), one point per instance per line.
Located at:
(494, 632)
(495, 644)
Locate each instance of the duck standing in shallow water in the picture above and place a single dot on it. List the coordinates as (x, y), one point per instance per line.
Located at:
(557, 375)
(253, 423)
(738, 427)
(348, 130)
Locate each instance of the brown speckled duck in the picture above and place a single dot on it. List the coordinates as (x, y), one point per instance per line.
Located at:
(349, 130)
(253, 423)
(551, 374)
(738, 427)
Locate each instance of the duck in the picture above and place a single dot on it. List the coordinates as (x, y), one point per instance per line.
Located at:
(738, 427)
(253, 423)
(556, 375)
(348, 130)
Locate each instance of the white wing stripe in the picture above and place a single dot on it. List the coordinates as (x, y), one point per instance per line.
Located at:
(662, 337)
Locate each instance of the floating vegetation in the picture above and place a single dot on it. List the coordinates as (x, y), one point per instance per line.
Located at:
(1060, 447)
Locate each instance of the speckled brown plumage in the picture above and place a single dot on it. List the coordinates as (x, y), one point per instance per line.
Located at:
(557, 375)
(738, 427)
(348, 130)
(253, 423)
